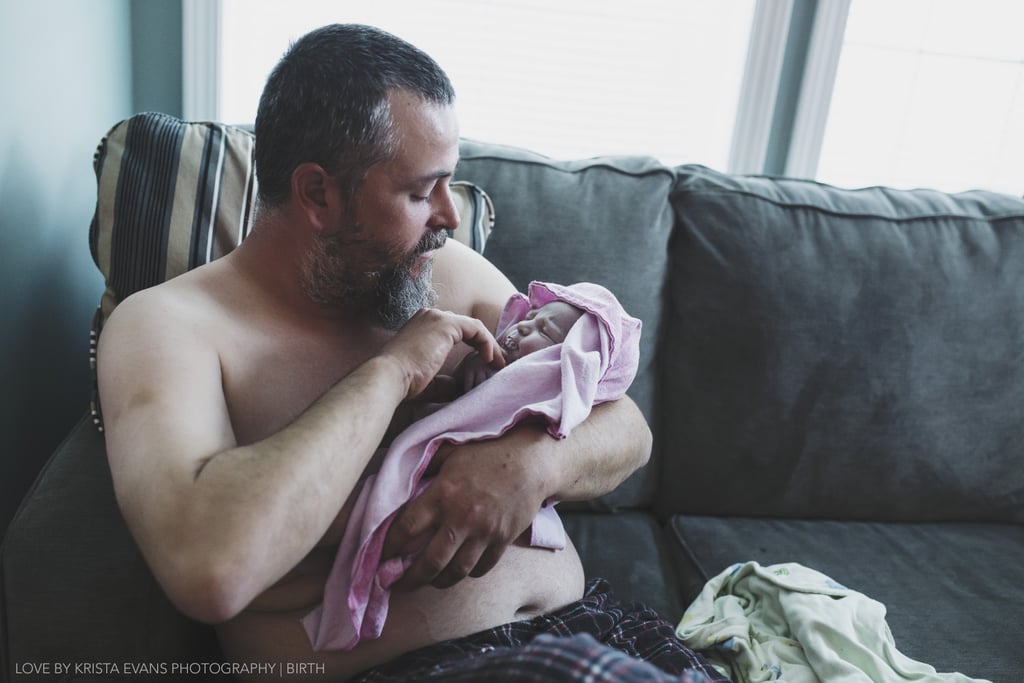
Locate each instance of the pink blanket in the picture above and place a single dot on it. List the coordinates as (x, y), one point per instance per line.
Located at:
(597, 362)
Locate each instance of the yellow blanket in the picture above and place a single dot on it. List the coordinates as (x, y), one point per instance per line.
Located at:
(789, 623)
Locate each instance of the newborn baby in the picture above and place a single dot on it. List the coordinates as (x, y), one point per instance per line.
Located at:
(567, 348)
(542, 327)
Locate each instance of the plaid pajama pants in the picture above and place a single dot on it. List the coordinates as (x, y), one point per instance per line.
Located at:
(594, 640)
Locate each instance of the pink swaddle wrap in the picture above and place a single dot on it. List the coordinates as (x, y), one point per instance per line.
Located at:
(596, 362)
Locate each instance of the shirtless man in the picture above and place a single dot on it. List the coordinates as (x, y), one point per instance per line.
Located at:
(245, 399)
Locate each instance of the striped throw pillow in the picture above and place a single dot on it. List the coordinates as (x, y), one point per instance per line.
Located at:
(173, 195)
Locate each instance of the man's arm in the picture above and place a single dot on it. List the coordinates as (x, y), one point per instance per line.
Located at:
(485, 494)
(217, 522)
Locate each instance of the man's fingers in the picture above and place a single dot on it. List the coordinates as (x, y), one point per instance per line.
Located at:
(463, 564)
(449, 558)
(426, 341)
(411, 523)
(433, 559)
(476, 334)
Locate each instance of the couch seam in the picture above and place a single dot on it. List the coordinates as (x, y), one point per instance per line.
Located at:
(847, 214)
(685, 547)
(551, 166)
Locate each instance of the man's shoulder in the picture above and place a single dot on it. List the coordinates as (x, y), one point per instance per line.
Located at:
(180, 303)
(468, 283)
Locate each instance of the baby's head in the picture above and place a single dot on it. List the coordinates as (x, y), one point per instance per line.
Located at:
(542, 327)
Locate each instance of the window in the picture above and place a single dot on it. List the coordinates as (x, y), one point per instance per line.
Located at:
(928, 93)
(916, 93)
(575, 78)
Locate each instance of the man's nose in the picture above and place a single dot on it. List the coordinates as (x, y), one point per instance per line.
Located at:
(446, 214)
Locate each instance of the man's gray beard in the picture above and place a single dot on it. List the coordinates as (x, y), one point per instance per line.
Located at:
(391, 296)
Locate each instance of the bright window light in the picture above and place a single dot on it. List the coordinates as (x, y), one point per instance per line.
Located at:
(569, 79)
(929, 93)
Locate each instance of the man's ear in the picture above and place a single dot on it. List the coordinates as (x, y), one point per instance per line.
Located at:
(315, 195)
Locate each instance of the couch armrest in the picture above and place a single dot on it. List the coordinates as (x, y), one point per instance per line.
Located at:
(75, 587)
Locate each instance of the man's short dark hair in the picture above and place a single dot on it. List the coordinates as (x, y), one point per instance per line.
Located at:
(327, 102)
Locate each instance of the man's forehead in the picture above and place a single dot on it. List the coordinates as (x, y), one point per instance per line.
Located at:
(424, 160)
(441, 171)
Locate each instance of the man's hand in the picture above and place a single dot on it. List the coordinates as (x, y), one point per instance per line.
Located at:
(483, 497)
(424, 343)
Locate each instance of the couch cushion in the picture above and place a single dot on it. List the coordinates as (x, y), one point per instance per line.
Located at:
(631, 551)
(952, 591)
(171, 196)
(604, 220)
(844, 353)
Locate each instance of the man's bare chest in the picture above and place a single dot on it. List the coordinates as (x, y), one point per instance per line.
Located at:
(270, 379)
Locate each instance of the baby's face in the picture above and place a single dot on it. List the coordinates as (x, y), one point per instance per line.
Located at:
(542, 327)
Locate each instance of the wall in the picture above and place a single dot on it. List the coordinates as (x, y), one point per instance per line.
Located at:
(156, 56)
(66, 77)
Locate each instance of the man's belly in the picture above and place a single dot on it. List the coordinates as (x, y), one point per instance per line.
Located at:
(525, 583)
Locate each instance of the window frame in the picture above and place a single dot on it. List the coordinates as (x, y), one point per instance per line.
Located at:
(759, 90)
(816, 85)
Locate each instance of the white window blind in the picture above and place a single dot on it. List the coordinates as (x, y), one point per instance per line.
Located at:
(929, 93)
(572, 78)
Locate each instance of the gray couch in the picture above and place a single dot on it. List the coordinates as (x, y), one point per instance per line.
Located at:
(834, 378)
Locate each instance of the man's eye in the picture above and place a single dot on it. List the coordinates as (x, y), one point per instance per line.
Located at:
(418, 198)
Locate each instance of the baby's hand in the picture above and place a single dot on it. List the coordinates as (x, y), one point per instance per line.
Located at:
(442, 389)
(472, 371)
